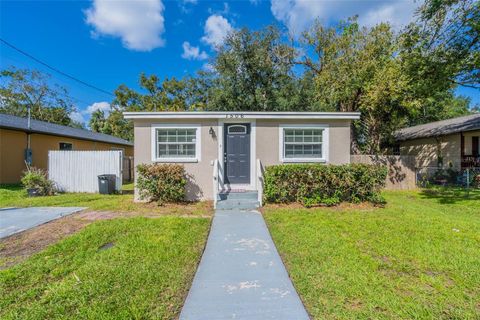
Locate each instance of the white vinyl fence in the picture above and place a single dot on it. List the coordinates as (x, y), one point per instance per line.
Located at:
(78, 171)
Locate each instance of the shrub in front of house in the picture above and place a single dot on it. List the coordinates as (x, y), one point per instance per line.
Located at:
(317, 184)
(36, 182)
(161, 182)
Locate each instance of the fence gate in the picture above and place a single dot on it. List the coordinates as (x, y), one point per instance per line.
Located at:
(77, 171)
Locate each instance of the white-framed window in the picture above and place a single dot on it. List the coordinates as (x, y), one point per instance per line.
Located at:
(176, 143)
(303, 143)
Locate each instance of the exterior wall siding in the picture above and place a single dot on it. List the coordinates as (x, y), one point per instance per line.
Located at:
(13, 144)
(426, 150)
(200, 185)
(11, 155)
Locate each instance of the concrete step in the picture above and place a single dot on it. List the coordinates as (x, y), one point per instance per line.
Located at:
(248, 195)
(240, 204)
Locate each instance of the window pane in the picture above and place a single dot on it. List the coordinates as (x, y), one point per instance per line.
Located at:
(176, 143)
(303, 143)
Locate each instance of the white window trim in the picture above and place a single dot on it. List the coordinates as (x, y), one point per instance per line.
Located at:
(325, 142)
(198, 142)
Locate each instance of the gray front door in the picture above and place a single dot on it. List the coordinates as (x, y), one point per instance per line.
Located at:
(237, 153)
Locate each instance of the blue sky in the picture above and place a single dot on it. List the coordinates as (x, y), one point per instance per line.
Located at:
(107, 42)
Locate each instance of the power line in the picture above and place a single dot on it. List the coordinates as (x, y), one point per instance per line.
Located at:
(55, 69)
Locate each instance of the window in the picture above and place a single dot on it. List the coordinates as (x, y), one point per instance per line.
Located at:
(303, 144)
(237, 129)
(65, 146)
(176, 144)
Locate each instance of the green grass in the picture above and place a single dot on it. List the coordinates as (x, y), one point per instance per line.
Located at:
(145, 275)
(15, 196)
(417, 258)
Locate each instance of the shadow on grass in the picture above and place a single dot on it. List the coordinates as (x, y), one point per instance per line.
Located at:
(450, 195)
(11, 187)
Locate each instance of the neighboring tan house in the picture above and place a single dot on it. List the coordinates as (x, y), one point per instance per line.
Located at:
(234, 145)
(448, 143)
(16, 137)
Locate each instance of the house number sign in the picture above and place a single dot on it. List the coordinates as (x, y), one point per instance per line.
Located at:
(235, 116)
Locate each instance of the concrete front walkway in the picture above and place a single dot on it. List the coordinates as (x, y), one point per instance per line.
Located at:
(241, 275)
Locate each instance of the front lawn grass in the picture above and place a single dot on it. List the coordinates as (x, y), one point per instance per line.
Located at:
(417, 258)
(16, 196)
(144, 272)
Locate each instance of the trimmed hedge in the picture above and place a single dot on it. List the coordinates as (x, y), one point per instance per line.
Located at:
(317, 184)
(162, 182)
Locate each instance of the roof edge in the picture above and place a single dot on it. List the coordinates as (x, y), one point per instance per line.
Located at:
(126, 143)
(240, 115)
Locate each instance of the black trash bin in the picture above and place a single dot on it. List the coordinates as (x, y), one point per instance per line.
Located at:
(106, 183)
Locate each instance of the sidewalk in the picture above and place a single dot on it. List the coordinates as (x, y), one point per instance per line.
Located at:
(241, 275)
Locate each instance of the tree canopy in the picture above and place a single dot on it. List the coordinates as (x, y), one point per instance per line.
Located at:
(21, 88)
(394, 78)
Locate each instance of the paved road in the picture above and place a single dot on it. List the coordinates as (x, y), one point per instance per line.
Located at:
(241, 275)
(13, 220)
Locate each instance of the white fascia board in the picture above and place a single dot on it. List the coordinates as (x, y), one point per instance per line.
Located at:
(243, 115)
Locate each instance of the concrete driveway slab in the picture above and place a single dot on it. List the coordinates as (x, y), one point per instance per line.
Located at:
(14, 220)
(241, 275)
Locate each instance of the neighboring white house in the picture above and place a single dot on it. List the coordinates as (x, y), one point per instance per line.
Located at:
(225, 151)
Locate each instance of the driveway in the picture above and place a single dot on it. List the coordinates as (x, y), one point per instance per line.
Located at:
(14, 220)
(241, 275)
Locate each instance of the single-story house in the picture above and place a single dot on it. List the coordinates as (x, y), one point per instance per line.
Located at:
(20, 142)
(234, 145)
(449, 143)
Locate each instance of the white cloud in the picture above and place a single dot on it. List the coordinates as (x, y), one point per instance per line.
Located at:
(185, 5)
(84, 115)
(216, 29)
(77, 117)
(298, 15)
(193, 53)
(140, 24)
(104, 106)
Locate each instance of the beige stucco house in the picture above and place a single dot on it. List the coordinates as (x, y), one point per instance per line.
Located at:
(225, 151)
(448, 143)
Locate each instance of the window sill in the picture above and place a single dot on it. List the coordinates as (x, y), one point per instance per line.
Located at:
(299, 160)
(175, 160)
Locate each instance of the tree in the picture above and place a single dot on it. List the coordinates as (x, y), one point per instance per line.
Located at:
(168, 95)
(443, 45)
(252, 71)
(21, 88)
(116, 125)
(393, 79)
(354, 70)
(366, 70)
(97, 121)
